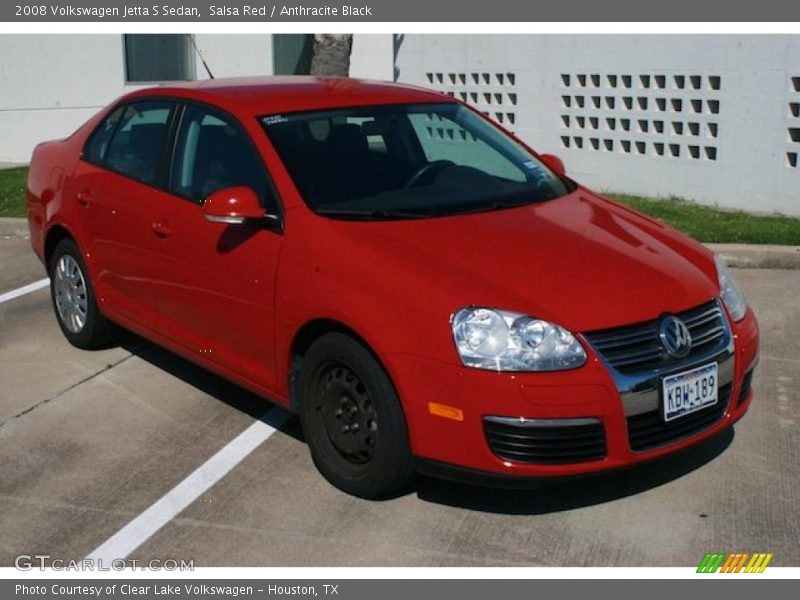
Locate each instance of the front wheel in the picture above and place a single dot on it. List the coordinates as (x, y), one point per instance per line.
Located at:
(352, 419)
(74, 301)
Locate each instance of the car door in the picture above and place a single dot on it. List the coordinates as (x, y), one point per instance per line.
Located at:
(218, 301)
(116, 190)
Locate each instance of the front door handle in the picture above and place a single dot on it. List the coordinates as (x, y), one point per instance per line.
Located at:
(84, 198)
(161, 229)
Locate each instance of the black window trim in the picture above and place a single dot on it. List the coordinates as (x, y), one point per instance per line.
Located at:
(234, 122)
(102, 164)
(119, 107)
(164, 166)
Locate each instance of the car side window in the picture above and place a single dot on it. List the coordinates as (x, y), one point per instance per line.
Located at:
(213, 153)
(95, 149)
(137, 145)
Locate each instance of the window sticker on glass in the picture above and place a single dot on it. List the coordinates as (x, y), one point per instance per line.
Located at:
(275, 119)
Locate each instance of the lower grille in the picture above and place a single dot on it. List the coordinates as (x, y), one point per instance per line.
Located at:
(747, 382)
(648, 430)
(545, 443)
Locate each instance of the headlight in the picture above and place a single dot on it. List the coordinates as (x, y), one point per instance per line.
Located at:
(731, 294)
(506, 341)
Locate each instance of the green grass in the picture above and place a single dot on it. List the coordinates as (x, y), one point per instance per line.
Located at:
(709, 224)
(12, 192)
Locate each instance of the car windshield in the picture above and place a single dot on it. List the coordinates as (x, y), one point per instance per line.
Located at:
(407, 161)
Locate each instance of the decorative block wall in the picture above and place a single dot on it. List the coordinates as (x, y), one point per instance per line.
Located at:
(793, 129)
(670, 117)
(714, 119)
(493, 93)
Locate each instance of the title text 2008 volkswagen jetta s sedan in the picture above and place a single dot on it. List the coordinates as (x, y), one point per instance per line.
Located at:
(426, 291)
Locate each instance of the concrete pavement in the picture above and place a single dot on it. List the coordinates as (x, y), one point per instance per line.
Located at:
(89, 440)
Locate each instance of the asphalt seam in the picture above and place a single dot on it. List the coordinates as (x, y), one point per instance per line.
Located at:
(33, 407)
(80, 508)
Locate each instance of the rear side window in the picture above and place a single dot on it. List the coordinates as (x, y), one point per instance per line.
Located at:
(95, 150)
(213, 153)
(138, 142)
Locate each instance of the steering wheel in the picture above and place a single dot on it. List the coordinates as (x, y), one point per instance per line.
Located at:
(427, 169)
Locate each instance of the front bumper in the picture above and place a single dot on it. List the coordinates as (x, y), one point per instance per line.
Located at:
(592, 393)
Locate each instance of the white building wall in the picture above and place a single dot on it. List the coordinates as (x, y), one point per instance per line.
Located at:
(234, 55)
(710, 118)
(372, 57)
(51, 84)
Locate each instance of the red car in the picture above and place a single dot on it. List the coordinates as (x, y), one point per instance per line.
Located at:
(424, 290)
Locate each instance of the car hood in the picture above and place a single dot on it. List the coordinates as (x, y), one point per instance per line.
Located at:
(582, 261)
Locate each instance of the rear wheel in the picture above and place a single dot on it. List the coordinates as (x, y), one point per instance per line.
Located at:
(352, 419)
(74, 301)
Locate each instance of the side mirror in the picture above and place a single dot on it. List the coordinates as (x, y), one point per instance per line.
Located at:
(555, 164)
(233, 205)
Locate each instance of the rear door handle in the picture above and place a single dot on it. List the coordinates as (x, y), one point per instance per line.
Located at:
(84, 198)
(161, 229)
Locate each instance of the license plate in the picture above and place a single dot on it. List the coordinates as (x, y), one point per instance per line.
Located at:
(690, 391)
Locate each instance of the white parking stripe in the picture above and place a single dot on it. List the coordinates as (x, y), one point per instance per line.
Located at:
(25, 289)
(135, 533)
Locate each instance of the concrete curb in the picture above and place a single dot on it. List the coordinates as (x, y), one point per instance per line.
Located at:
(745, 256)
(10, 227)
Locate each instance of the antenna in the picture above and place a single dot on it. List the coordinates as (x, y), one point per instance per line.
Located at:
(200, 54)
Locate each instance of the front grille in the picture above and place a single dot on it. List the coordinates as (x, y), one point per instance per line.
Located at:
(649, 430)
(547, 444)
(636, 348)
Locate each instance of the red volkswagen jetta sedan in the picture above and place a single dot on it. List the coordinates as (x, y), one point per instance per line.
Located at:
(423, 289)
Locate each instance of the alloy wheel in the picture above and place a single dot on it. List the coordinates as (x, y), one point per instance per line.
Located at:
(71, 295)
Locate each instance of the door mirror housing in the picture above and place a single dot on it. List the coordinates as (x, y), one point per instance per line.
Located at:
(555, 164)
(233, 205)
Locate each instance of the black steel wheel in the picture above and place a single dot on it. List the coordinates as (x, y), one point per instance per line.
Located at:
(352, 418)
(347, 412)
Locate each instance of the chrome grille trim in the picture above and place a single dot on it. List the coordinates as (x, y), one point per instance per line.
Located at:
(647, 396)
(526, 422)
(637, 348)
(640, 389)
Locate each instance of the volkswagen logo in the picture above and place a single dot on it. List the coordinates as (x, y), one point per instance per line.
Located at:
(675, 337)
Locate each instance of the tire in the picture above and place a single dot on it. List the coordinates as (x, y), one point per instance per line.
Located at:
(352, 419)
(74, 301)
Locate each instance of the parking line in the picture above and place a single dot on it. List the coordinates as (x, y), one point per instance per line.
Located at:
(140, 529)
(25, 289)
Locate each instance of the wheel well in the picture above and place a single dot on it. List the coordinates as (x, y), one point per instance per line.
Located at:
(54, 236)
(306, 336)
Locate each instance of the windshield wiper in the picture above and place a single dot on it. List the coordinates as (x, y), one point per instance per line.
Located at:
(376, 214)
(492, 206)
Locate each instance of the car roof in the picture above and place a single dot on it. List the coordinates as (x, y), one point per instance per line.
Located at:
(278, 94)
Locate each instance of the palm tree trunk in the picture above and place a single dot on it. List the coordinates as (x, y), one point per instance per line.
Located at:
(331, 55)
